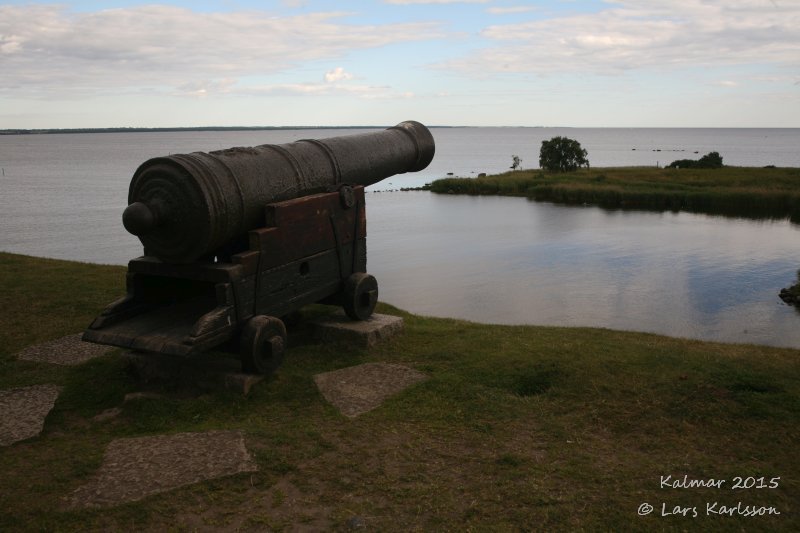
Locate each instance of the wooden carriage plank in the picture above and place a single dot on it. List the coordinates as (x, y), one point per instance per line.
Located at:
(299, 209)
(287, 282)
(291, 242)
(212, 272)
(248, 260)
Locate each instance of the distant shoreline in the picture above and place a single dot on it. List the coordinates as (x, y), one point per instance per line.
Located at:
(45, 131)
(184, 129)
(167, 130)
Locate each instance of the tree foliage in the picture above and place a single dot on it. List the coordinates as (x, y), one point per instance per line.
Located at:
(710, 160)
(562, 154)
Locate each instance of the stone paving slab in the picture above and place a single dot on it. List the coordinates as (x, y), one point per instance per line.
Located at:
(69, 350)
(363, 333)
(134, 468)
(358, 389)
(23, 410)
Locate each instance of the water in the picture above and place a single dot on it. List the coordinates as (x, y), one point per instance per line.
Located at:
(470, 151)
(499, 260)
(514, 261)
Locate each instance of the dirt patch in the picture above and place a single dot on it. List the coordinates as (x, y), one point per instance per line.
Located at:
(23, 410)
(138, 467)
(69, 350)
(358, 389)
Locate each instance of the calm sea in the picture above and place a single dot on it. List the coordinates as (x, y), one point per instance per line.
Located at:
(500, 260)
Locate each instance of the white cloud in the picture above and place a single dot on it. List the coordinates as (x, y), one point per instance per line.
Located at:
(370, 92)
(201, 89)
(633, 34)
(335, 82)
(337, 74)
(46, 48)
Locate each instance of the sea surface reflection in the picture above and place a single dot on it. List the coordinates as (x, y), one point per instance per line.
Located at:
(513, 261)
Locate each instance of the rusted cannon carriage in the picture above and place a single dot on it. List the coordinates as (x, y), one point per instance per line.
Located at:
(234, 240)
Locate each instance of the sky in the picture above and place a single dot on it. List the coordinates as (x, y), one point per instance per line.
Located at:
(578, 63)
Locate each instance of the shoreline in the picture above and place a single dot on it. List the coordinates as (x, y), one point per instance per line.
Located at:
(747, 192)
(49, 131)
(59, 266)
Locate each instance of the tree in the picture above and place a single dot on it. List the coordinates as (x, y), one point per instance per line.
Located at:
(562, 154)
(710, 160)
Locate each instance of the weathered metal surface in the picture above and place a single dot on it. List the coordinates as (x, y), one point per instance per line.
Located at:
(238, 238)
(184, 207)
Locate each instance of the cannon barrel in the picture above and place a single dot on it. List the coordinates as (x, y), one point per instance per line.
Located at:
(184, 207)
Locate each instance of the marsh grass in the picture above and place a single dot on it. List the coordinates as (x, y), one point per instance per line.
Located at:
(734, 191)
(518, 428)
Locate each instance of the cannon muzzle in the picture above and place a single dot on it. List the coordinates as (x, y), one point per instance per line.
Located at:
(187, 206)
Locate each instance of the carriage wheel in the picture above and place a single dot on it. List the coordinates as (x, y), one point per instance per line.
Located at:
(360, 295)
(263, 344)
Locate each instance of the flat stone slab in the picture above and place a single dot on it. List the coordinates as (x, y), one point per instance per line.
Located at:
(339, 327)
(135, 468)
(358, 389)
(23, 410)
(69, 350)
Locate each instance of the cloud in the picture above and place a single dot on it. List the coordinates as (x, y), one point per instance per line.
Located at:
(369, 92)
(335, 82)
(635, 34)
(46, 48)
(204, 88)
(337, 74)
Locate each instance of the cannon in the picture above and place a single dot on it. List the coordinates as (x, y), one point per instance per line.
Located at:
(236, 239)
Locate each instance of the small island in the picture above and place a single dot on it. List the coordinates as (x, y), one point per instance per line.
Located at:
(749, 192)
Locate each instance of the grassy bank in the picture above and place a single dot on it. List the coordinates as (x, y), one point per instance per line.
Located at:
(737, 191)
(791, 295)
(528, 428)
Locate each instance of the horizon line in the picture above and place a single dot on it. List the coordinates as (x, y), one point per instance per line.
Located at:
(146, 129)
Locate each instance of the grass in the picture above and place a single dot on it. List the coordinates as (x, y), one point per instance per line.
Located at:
(518, 428)
(736, 191)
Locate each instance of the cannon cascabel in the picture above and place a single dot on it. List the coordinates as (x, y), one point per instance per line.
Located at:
(186, 206)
